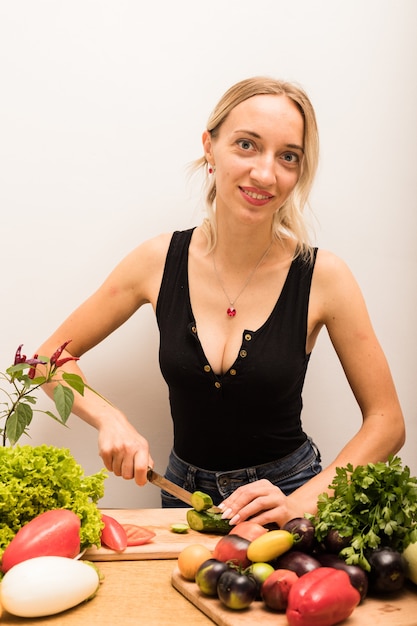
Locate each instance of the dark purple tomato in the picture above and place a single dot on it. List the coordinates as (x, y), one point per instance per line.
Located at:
(334, 542)
(236, 590)
(208, 574)
(388, 570)
(298, 562)
(304, 533)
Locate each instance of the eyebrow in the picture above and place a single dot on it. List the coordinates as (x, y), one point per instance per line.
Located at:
(294, 146)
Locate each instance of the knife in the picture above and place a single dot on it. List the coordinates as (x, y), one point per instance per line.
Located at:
(170, 487)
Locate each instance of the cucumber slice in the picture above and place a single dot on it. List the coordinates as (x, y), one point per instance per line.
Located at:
(201, 501)
(206, 522)
(180, 528)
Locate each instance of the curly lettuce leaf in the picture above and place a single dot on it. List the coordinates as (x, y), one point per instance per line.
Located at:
(40, 478)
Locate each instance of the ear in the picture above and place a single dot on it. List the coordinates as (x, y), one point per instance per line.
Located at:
(208, 147)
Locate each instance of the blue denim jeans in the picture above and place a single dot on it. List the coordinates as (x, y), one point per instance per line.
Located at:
(287, 473)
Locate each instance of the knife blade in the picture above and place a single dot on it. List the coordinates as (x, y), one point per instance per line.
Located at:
(170, 487)
(175, 490)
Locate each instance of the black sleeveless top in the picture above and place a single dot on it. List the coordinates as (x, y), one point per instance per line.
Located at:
(250, 414)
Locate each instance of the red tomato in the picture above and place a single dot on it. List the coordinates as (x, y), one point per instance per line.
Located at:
(276, 587)
(138, 535)
(248, 530)
(232, 548)
(113, 534)
(53, 533)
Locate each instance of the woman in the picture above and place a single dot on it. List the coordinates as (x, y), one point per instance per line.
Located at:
(240, 301)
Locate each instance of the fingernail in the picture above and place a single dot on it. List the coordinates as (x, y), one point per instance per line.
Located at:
(226, 513)
(221, 506)
(234, 519)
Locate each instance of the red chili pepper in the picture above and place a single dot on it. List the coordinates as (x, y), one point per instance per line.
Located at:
(53, 533)
(54, 358)
(18, 356)
(113, 534)
(322, 597)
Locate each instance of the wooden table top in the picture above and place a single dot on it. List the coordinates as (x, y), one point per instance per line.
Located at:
(138, 589)
(141, 592)
(133, 592)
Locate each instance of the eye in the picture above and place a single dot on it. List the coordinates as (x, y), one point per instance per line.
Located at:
(245, 144)
(291, 157)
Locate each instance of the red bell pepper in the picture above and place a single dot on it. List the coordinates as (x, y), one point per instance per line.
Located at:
(52, 533)
(322, 597)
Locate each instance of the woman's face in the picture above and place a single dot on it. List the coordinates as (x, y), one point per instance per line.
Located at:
(258, 154)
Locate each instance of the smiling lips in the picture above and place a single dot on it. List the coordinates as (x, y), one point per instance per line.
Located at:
(255, 195)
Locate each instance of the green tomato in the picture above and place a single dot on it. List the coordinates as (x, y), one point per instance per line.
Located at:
(260, 571)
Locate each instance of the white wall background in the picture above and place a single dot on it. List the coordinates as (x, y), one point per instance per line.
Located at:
(102, 106)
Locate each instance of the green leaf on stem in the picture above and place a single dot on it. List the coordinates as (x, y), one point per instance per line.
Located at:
(18, 421)
(74, 381)
(64, 399)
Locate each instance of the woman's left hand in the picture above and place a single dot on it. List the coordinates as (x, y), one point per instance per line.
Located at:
(262, 502)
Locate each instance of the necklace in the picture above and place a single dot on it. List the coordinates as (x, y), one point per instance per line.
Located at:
(231, 310)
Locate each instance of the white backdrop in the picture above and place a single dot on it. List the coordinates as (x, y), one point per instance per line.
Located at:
(102, 107)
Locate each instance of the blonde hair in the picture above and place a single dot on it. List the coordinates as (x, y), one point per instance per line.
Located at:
(289, 219)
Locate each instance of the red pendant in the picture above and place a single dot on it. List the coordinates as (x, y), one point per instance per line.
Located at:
(231, 311)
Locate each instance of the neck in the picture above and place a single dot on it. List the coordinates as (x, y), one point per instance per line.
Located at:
(242, 247)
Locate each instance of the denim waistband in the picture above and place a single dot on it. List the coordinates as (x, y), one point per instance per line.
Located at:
(288, 473)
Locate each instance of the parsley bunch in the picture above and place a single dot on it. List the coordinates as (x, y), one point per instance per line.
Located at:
(374, 505)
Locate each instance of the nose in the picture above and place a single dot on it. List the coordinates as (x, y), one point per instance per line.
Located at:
(264, 170)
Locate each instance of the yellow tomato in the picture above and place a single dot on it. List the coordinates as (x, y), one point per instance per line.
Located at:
(190, 559)
(270, 545)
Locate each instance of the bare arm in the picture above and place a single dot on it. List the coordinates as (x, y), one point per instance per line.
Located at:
(134, 282)
(337, 303)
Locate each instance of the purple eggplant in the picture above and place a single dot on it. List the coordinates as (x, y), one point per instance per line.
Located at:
(358, 576)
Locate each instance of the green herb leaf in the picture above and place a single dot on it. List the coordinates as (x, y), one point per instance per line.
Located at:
(374, 504)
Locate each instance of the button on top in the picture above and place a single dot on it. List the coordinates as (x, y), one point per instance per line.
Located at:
(243, 353)
(207, 368)
(217, 384)
(233, 372)
(248, 337)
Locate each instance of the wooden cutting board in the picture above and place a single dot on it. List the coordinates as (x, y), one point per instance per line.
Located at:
(400, 610)
(165, 545)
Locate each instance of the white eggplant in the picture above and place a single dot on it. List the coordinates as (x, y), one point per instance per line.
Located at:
(46, 585)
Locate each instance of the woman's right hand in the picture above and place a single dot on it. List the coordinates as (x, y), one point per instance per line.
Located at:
(124, 451)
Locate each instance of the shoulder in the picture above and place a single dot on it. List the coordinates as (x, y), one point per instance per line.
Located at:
(157, 247)
(334, 287)
(151, 253)
(142, 267)
(329, 267)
